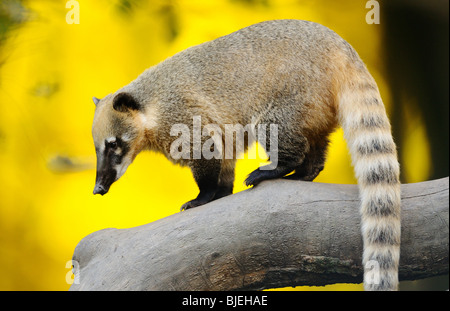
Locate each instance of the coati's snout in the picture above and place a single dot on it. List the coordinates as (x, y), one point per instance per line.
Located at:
(99, 189)
(112, 162)
(106, 172)
(105, 178)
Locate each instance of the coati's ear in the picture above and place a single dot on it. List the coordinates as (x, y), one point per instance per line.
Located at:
(124, 102)
(96, 100)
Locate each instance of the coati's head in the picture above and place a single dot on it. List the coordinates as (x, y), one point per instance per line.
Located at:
(118, 137)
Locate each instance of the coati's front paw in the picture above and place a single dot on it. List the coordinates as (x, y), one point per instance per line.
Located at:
(254, 178)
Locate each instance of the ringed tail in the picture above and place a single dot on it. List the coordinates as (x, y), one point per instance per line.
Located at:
(374, 156)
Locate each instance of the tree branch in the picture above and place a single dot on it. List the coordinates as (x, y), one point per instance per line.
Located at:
(281, 233)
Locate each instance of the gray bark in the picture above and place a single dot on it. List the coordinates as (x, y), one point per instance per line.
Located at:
(281, 233)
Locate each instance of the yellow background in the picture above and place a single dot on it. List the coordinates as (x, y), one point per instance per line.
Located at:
(49, 72)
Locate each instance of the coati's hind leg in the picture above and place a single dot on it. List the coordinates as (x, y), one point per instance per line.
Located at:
(290, 156)
(258, 175)
(206, 174)
(305, 172)
(312, 165)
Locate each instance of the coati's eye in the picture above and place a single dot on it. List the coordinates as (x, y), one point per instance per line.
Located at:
(111, 144)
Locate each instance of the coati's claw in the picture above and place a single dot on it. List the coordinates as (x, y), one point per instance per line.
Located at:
(185, 206)
(192, 204)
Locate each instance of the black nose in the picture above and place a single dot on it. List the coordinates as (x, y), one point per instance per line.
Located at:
(99, 189)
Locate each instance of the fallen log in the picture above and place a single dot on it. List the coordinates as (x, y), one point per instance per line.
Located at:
(280, 233)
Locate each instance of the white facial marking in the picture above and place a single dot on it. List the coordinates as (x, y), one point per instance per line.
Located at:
(149, 119)
(126, 137)
(101, 148)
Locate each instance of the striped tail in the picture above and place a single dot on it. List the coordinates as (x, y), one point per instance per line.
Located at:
(368, 134)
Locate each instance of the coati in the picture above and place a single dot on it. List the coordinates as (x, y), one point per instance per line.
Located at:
(297, 74)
